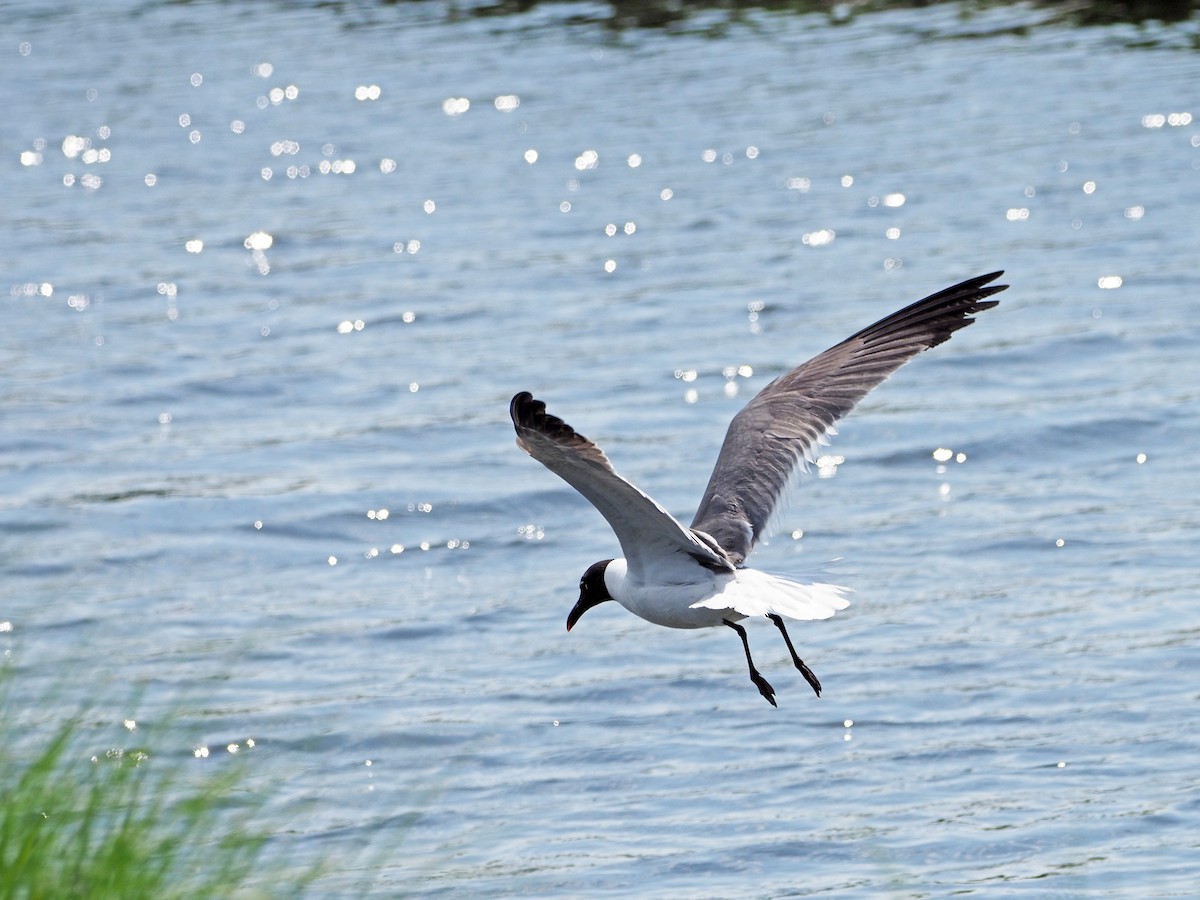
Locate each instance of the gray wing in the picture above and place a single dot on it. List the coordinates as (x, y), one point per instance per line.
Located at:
(646, 531)
(784, 423)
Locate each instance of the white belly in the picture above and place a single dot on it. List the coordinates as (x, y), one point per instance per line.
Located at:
(670, 604)
(693, 597)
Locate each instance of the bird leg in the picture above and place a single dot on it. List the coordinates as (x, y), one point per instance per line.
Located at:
(764, 687)
(799, 663)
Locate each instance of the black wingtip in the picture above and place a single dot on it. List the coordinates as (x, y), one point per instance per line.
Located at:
(983, 289)
(530, 413)
(980, 282)
(973, 289)
(939, 315)
(523, 407)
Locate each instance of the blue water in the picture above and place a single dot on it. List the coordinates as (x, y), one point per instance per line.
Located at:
(276, 493)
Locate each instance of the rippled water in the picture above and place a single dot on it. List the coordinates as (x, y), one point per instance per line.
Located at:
(272, 282)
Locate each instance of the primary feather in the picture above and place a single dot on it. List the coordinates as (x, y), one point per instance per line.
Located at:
(787, 419)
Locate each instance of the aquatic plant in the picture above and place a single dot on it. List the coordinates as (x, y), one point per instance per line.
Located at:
(129, 823)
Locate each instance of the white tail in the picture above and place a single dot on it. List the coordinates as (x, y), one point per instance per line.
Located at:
(754, 593)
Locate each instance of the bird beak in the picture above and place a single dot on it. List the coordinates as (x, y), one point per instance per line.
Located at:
(584, 604)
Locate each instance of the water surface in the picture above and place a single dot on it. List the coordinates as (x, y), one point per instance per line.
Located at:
(272, 282)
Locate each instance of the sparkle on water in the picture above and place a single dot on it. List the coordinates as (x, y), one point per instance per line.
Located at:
(257, 293)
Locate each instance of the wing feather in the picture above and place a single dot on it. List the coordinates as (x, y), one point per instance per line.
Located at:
(645, 530)
(786, 420)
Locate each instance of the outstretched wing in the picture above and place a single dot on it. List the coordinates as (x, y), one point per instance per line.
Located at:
(788, 418)
(645, 530)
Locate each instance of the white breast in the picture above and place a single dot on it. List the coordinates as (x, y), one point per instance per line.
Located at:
(670, 598)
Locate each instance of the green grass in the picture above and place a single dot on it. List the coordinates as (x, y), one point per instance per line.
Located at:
(129, 823)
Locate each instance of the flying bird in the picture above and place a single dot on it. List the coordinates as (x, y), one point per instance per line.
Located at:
(695, 576)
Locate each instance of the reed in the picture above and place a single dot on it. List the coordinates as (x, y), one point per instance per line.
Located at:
(130, 823)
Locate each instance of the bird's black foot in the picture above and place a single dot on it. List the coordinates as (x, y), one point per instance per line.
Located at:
(808, 674)
(764, 686)
(809, 677)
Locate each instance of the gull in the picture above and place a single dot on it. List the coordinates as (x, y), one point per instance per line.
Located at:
(695, 576)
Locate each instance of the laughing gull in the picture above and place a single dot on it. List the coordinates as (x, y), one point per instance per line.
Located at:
(694, 577)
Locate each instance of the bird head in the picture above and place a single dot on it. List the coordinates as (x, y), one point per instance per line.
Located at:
(592, 591)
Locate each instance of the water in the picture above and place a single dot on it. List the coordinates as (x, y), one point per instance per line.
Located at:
(278, 491)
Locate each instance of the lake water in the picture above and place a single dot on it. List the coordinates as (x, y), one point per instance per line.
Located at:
(275, 270)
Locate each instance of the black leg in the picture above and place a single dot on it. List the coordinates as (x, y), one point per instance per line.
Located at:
(764, 687)
(804, 670)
